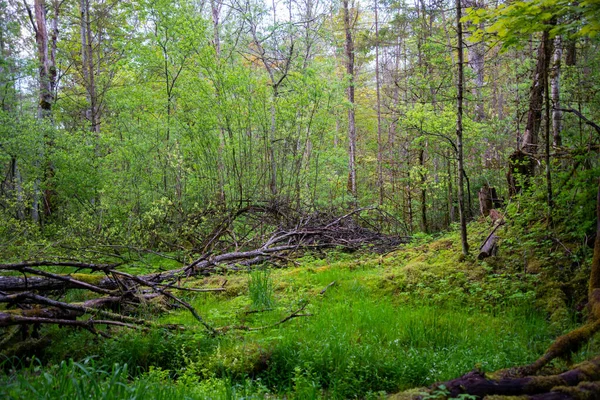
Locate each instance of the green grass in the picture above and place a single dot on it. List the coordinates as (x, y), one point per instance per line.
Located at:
(88, 380)
(260, 289)
(405, 320)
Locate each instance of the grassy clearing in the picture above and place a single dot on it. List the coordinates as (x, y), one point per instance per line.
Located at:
(403, 320)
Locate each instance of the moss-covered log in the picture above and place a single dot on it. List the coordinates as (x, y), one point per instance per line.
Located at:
(477, 384)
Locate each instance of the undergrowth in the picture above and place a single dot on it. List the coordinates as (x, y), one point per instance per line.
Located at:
(416, 316)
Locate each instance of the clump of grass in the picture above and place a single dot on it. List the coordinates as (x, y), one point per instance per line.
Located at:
(79, 380)
(90, 380)
(260, 289)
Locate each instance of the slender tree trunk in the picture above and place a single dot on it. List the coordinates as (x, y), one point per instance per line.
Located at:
(547, 152)
(424, 224)
(273, 130)
(83, 9)
(41, 38)
(571, 49)
(450, 190)
(215, 6)
(349, 47)
(459, 131)
(555, 86)
(409, 199)
(94, 117)
(46, 74)
(379, 139)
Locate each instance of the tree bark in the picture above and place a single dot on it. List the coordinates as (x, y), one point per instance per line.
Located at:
(485, 200)
(349, 48)
(555, 88)
(529, 143)
(521, 166)
(459, 132)
(379, 138)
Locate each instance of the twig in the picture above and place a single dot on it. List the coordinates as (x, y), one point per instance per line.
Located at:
(295, 314)
(327, 287)
(348, 215)
(169, 295)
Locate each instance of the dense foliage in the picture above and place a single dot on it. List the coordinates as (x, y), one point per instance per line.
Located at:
(158, 132)
(162, 110)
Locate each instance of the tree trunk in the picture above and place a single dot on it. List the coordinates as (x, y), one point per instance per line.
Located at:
(549, 199)
(486, 202)
(476, 55)
(47, 83)
(521, 166)
(459, 132)
(529, 142)
(349, 48)
(424, 224)
(555, 84)
(379, 139)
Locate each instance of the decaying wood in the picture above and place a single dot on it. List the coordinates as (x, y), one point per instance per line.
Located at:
(488, 200)
(485, 200)
(26, 288)
(477, 384)
(489, 247)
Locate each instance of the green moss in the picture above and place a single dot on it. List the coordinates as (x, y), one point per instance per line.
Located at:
(88, 278)
(554, 302)
(543, 383)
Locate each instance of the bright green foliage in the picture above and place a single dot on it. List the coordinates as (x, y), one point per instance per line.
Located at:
(512, 22)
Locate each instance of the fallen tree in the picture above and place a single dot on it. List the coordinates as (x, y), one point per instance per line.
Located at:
(27, 288)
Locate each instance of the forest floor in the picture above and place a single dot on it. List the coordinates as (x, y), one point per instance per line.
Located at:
(371, 325)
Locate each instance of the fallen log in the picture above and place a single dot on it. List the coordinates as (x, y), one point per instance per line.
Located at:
(475, 383)
(489, 248)
(23, 284)
(107, 283)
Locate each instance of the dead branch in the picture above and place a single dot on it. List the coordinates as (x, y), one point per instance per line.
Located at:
(78, 265)
(27, 292)
(581, 116)
(93, 307)
(7, 319)
(294, 314)
(327, 287)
